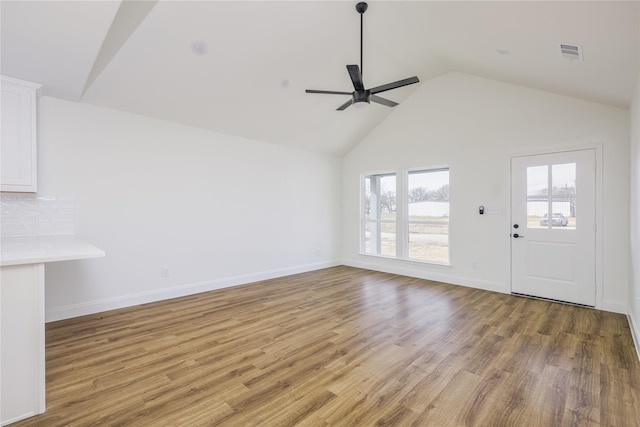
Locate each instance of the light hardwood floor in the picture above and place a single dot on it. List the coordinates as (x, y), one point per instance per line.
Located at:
(343, 347)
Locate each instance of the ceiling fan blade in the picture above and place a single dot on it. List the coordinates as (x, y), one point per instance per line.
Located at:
(383, 101)
(327, 92)
(356, 77)
(345, 105)
(394, 85)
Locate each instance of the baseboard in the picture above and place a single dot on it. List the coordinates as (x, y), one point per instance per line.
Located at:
(613, 305)
(92, 307)
(435, 273)
(441, 274)
(635, 332)
(19, 418)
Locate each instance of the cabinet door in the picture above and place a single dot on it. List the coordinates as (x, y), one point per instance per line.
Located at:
(18, 145)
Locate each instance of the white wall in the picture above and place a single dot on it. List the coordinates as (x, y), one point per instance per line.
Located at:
(634, 271)
(474, 125)
(217, 210)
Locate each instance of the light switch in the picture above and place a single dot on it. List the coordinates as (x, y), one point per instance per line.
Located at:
(492, 210)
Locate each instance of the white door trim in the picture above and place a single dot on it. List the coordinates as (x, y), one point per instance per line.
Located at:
(601, 303)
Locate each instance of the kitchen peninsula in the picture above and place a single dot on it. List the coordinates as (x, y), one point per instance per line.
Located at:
(22, 342)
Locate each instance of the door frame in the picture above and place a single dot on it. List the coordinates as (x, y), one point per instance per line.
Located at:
(598, 147)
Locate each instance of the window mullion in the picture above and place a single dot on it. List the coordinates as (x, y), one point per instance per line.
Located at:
(402, 230)
(375, 216)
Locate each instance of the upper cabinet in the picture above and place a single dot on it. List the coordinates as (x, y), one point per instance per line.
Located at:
(18, 155)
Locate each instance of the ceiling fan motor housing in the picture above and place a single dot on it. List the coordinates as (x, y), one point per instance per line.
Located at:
(361, 96)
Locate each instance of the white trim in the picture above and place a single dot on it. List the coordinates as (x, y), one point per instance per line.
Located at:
(407, 268)
(402, 212)
(41, 377)
(508, 216)
(417, 270)
(17, 82)
(635, 331)
(20, 418)
(361, 208)
(91, 307)
(613, 305)
(415, 262)
(533, 151)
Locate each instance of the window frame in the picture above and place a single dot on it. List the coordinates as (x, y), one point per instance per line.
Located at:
(363, 215)
(407, 222)
(402, 221)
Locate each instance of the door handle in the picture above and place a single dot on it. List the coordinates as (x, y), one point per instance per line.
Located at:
(516, 235)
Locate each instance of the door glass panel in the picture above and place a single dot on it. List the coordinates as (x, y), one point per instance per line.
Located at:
(537, 196)
(563, 186)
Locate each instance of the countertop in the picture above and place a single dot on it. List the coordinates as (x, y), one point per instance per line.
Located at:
(34, 250)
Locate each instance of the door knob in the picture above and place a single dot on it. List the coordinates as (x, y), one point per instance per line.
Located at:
(516, 235)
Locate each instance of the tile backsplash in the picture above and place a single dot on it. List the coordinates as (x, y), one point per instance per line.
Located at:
(28, 215)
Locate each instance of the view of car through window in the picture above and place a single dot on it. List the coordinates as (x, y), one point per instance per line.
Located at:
(556, 220)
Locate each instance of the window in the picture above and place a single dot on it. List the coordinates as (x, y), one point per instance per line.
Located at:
(414, 226)
(551, 196)
(428, 215)
(380, 215)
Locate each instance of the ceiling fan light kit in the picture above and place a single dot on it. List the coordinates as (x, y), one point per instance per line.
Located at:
(361, 97)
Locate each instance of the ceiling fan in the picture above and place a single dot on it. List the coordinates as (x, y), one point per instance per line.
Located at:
(362, 96)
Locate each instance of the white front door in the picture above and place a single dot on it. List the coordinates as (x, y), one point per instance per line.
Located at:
(553, 226)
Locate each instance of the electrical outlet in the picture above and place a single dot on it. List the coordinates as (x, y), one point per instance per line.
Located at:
(164, 272)
(474, 264)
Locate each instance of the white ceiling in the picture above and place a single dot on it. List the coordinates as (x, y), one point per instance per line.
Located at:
(138, 57)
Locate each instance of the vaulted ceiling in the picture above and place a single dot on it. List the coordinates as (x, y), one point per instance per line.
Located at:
(241, 67)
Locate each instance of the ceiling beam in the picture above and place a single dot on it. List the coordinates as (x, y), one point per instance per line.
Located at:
(130, 15)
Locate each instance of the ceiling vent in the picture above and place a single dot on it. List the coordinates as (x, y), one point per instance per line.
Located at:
(572, 52)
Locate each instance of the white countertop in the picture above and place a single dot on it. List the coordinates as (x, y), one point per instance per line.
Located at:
(34, 250)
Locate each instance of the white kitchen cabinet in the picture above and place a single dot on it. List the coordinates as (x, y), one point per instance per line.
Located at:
(18, 155)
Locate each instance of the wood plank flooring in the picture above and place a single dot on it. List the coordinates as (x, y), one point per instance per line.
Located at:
(343, 347)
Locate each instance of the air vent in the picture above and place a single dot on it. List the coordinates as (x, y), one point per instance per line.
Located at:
(572, 52)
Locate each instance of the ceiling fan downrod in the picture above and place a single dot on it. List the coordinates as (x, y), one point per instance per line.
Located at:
(361, 8)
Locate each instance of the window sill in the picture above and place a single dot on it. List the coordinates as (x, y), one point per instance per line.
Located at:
(409, 261)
